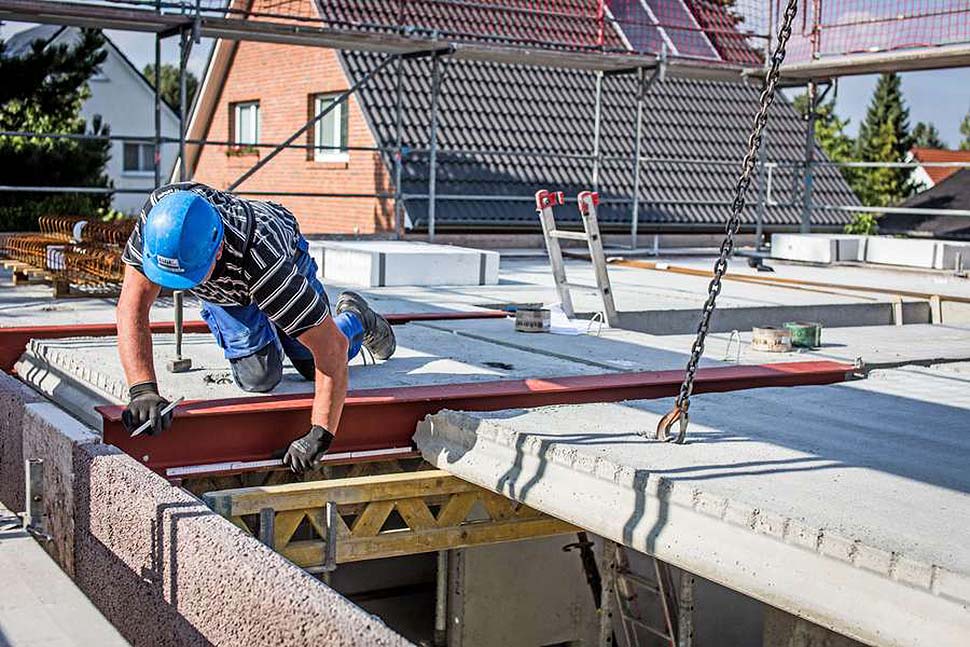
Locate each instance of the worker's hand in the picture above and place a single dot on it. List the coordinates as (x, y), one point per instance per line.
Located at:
(145, 404)
(304, 451)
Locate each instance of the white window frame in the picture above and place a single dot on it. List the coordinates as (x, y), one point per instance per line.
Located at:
(253, 117)
(140, 171)
(337, 116)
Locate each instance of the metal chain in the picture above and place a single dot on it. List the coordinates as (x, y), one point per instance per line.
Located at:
(682, 405)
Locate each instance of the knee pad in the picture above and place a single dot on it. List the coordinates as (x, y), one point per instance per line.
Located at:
(259, 372)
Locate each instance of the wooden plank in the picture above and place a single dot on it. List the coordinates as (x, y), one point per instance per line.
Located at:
(416, 514)
(396, 543)
(456, 509)
(315, 494)
(498, 507)
(239, 523)
(371, 520)
(318, 519)
(286, 524)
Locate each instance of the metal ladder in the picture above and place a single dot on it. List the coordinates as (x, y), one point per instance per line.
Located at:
(588, 201)
(622, 591)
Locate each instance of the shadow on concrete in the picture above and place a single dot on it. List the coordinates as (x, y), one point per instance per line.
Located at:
(132, 598)
(833, 427)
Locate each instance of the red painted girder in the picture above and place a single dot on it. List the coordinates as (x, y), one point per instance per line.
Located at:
(249, 429)
(14, 340)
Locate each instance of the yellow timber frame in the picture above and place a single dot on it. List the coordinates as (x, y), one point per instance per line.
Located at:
(320, 524)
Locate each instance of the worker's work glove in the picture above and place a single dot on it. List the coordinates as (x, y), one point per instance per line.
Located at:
(145, 404)
(304, 451)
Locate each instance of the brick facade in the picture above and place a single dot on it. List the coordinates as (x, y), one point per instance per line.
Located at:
(283, 79)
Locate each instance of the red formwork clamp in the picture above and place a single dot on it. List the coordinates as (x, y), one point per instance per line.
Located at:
(586, 198)
(546, 199)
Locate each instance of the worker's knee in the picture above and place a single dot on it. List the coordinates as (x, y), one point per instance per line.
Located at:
(259, 372)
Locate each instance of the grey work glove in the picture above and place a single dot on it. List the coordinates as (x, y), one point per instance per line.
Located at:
(145, 404)
(304, 451)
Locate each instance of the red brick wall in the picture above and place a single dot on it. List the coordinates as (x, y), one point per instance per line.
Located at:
(282, 78)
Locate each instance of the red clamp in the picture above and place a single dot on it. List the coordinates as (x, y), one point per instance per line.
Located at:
(546, 198)
(594, 198)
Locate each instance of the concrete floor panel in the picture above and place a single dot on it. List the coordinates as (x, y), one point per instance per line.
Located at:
(39, 605)
(848, 505)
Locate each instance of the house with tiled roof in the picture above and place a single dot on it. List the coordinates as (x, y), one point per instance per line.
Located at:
(927, 177)
(504, 131)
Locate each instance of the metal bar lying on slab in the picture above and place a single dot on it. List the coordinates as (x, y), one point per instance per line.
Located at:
(14, 340)
(252, 429)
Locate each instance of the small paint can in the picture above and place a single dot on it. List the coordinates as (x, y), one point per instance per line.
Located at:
(771, 340)
(805, 334)
(532, 320)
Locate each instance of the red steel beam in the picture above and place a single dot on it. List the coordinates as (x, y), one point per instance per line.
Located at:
(251, 429)
(14, 340)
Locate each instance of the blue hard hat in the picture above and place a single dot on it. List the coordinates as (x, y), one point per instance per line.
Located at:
(180, 238)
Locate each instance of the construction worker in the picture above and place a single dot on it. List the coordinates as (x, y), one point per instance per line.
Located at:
(247, 261)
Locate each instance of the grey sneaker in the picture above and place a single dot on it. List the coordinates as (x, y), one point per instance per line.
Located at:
(378, 334)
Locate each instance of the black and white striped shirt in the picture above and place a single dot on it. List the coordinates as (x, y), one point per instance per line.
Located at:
(258, 263)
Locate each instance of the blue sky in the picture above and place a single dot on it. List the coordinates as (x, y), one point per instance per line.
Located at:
(938, 96)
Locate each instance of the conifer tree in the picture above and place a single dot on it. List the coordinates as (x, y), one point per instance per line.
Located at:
(884, 137)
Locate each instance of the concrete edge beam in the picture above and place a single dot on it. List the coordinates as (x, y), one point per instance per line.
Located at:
(856, 590)
(162, 567)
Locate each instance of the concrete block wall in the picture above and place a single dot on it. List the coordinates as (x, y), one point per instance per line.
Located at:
(161, 566)
(14, 395)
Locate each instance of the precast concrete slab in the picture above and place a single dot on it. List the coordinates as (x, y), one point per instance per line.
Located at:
(378, 263)
(82, 373)
(846, 505)
(876, 346)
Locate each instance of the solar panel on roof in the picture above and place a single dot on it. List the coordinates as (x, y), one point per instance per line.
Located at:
(650, 24)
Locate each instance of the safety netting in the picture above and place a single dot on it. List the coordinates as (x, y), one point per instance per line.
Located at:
(829, 28)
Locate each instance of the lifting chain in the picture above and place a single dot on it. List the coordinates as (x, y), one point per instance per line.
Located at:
(679, 413)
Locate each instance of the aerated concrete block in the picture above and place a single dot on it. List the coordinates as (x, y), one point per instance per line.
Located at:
(51, 435)
(818, 248)
(800, 247)
(908, 252)
(954, 256)
(166, 570)
(396, 263)
(14, 396)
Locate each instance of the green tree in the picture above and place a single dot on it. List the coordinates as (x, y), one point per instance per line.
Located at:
(965, 131)
(927, 136)
(170, 84)
(42, 92)
(884, 137)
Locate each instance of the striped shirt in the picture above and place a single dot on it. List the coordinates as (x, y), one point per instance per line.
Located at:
(258, 263)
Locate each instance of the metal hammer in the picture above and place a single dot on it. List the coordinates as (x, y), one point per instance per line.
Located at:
(179, 364)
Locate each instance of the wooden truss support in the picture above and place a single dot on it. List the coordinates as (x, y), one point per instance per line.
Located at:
(379, 516)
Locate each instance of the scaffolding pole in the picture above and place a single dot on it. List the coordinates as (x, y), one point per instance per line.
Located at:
(643, 85)
(433, 144)
(185, 50)
(806, 223)
(157, 157)
(597, 124)
(398, 151)
(638, 139)
(759, 225)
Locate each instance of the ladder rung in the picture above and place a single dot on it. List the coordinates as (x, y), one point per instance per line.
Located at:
(571, 235)
(642, 581)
